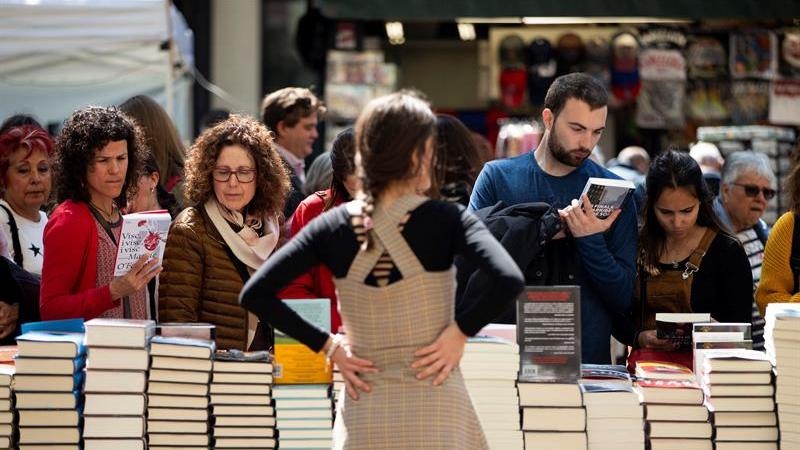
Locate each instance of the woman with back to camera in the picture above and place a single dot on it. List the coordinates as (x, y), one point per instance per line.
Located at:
(687, 262)
(98, 154)
(25, 182)
(318, 282)
(391, 256)
(237, 184)
(163, 139)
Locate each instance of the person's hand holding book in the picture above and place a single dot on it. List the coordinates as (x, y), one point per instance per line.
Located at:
(582, 221)
(140, 274)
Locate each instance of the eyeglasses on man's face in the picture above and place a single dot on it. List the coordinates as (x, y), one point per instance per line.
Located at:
(752, 190)
(243, 174)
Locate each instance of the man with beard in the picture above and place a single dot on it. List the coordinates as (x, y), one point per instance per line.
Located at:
(747, 185)
(598, 255)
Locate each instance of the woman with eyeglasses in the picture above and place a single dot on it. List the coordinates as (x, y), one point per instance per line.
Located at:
(779, 282)
(237, 185)
(687, 262)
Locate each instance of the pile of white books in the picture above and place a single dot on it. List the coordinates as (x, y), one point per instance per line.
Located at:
(177, 389)
(675, 416)
(304, 415)
(738, 388)
(781, 339)
(241, 400)
(7, 422)
(614, 417)
(116, 377)
(48, 384)
(553, 415)
(489, 367)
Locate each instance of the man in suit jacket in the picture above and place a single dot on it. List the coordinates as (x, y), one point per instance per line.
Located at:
(292, 114)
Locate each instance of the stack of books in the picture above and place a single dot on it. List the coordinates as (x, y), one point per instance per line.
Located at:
(48, 382)
(177, 389)
(338, 389)
(241, 400)
(613, 409)
(7, 422)
(782, 336)
(553, 415)
(675, 416)
(489, 367)
(305, 415)
(718, 336)
(738, 388)
(116, 376)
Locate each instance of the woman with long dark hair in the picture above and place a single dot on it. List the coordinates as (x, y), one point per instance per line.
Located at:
(391, 256)
(687, 262)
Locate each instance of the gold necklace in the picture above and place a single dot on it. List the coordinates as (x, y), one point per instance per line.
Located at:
(106, 215)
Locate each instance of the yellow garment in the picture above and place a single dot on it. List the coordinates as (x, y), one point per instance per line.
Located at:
(776, 274)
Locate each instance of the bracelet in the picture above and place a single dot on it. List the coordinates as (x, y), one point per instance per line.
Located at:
(336, 341)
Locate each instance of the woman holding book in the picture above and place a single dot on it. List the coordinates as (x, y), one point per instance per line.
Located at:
(98, 154)
(687, 262)
(318, 282)
(391, 255)
(237, 184)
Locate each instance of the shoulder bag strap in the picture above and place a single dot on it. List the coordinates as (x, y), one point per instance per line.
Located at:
(12, 223)
(794, 258)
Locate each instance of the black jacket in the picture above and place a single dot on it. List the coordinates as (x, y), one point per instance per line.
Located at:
(21, 287)
(295, 194)
(524, 230)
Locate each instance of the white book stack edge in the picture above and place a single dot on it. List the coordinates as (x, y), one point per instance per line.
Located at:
(178, 392)
(7, 422)
(489, 367)
(781, 339)
(675, 415)
(614, 415)
(553, 415)
(117, 362)
(304, 415)
(50, 366)
(737, 384)
(241, 400)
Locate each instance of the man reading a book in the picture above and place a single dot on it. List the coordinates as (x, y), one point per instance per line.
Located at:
(596, 254)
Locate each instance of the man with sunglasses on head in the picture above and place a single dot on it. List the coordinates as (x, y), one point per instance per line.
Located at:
(747, 184)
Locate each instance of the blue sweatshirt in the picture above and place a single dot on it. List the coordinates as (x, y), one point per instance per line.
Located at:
(606, 262)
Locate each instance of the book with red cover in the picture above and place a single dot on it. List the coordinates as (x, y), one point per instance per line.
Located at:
(682, 392)
(662, 370)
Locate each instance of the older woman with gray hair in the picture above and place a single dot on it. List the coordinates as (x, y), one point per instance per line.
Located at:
(747, 184)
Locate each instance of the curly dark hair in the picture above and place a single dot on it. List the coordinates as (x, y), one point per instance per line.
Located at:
(85, 132)
(272, 178)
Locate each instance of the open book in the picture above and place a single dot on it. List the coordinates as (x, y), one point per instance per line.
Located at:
(142, 233)
(607, 194)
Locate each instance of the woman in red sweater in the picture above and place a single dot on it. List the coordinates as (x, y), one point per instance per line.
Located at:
(318, 282)
(98, 155)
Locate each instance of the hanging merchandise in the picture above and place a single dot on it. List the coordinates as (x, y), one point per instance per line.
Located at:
(570, 53)
(662, 68)
(749, 102)
(517, 136)
(625, 84)
(598, 59)
(790, 55)
(707, 100)
(512, 52)
(753, 54)
(513, 74)
(541, 69)
(784, 102)
(706, 58)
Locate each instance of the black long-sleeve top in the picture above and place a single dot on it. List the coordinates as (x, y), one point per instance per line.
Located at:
(436, 232)
(722, 287)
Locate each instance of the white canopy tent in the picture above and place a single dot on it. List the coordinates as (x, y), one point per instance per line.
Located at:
(59, 55)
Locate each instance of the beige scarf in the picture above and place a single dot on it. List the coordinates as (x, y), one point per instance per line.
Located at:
(246, 245)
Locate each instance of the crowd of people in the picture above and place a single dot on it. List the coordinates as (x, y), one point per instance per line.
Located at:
(376, 226)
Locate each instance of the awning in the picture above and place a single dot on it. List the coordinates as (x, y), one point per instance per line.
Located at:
(438, 10)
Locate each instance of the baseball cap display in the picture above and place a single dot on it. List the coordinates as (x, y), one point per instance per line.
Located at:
(541, 69)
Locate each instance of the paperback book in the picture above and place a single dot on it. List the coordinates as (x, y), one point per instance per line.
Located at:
(607, 194)
(142, 233)
(549, 333)
(294, 362)
(677, 327)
